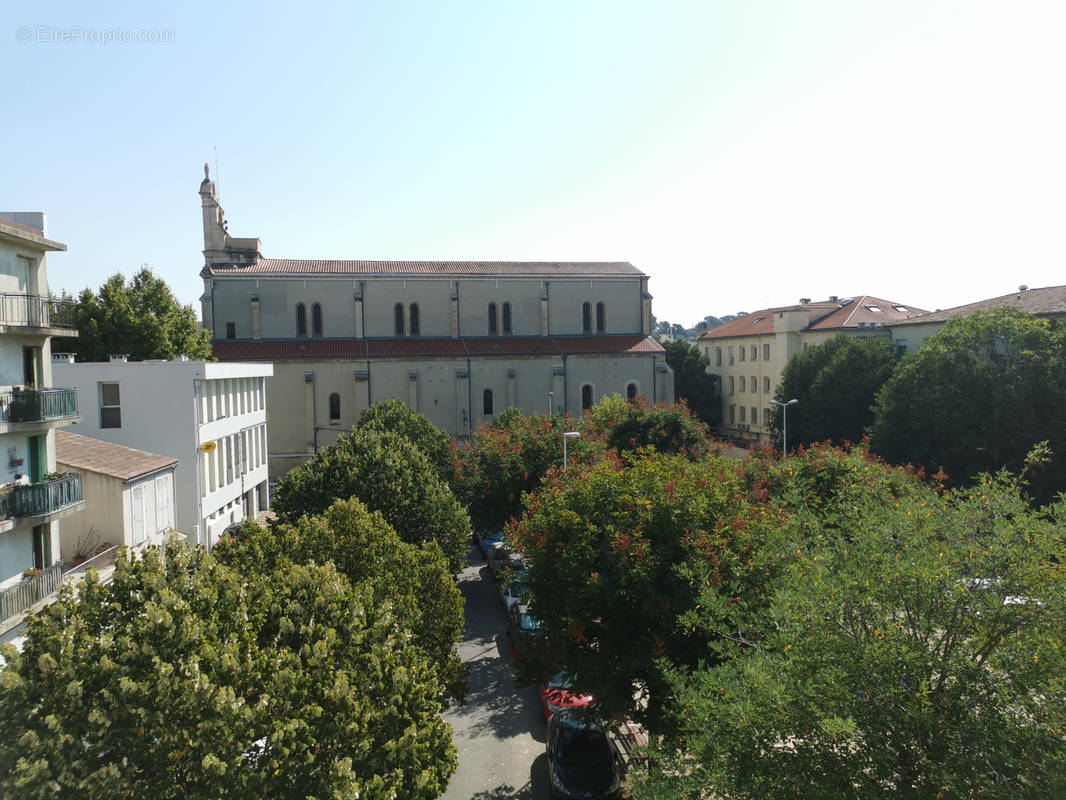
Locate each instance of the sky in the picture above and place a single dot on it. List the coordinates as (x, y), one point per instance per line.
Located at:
(742, 153)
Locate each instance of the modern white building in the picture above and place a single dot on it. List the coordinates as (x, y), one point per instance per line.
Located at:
(33, 496)
(210, 416)
(129, 496)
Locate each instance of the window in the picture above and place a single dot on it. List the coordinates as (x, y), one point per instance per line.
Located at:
(334, 407)
(743, 383)
(506, 317)
(486, 402)
(754, 415)
(493, 322)
(416, 322)
(601, 317)
(743, 352)
(586, 317)
(730, 355)
(732, 414)
(316, 319)
(110, 406)
(754, 385)
(397, 311)
(901, 309)
(301, 319)
(900, 347)
(766, 417)
(162, 503)
(732, 384)
(586, 397)
(874, 309)
(743, 413)
(139, 533)
(631, 392)
(231, 330)
(718, 356)
(754, 353)
(766, 385)
(766, 352)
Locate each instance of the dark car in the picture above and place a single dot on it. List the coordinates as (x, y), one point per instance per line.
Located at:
(485, 541)
(581, 759)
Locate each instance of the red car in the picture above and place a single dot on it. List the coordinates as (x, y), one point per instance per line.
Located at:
(558, 693)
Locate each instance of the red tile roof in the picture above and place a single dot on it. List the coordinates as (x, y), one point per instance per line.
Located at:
(1047, 301)
(105, 458)
(414, 347)
(846, 313)
(539, 269)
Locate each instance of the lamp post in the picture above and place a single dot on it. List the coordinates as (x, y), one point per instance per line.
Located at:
(551, 398)
(784, 422)
(568, 435)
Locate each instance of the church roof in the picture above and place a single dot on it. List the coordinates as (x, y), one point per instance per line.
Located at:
(524, 269)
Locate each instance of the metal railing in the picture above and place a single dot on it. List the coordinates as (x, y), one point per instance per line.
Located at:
(45, 497)
(38, 405)
(23, 595)
(101, 562)
(38, 311)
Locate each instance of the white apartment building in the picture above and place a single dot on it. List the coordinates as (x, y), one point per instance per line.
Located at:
(210, 416)
(33, 496)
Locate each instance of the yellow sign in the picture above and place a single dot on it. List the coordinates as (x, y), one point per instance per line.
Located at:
(208, 447)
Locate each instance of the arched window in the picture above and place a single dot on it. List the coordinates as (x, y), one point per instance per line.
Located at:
(586, 397)
(601, 317)
(416, 324)
(487, 402)
(301, 319)
(398, 312)
(506, 317)
(492, 319)
(631, 392)
(586, 317)
(316, 320)
(334, 407)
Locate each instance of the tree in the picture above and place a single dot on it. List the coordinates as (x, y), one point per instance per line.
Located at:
(185, 678)
(413, 581)
(394, 415)
(977, 396)
(836, 383)
(915, 653)
(389, 474)
(618, 554)
(141, 318)
(625, 425)
(692, 383)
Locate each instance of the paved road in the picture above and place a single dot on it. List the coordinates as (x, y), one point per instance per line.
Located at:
(499, 732)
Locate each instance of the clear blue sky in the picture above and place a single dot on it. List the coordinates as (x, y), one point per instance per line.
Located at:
(742, 153)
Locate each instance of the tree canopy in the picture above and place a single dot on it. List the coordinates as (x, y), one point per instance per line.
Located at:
(396, 416)
(626, 425)
(388, 474)
(836, 383)
(977, 396)
(141, 318)
(186, 678)
(692, 383)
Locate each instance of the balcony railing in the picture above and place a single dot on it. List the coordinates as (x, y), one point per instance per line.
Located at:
(45, 497)
(34, 310)
(38, 405)
(24, 594)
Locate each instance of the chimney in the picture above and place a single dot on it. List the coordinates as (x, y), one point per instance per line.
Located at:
(63, 358)
(833, 298)
(119, 358)
(181, 357)
(804, 301)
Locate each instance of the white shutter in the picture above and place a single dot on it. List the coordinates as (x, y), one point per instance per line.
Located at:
(138, 515)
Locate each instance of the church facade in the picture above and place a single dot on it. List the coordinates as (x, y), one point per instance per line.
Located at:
(458, 341)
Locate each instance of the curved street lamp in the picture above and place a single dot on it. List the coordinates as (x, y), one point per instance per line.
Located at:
(784, 422)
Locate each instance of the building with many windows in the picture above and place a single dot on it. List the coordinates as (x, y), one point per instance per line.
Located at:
(749, 354)
(459, 341)
(33, 495)
(211, 417)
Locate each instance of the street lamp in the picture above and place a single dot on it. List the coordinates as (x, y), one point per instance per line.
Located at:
(568, 435)
(784, 422)
(551, 397)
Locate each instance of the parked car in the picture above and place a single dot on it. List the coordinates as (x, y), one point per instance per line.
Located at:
(582, 762)
(486, 540)
(512, 587)
(499, 555)
(557, 694)
(520, 623)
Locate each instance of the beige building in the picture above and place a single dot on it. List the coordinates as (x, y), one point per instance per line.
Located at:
(129, 496)
(909, 334)
(749, 354)
(458, 341)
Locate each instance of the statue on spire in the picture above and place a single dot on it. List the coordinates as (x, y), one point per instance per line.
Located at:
(207, 172)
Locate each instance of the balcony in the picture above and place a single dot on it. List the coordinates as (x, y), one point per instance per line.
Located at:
(23, 595)
(46, 499)
(37, 311)
(38, 405)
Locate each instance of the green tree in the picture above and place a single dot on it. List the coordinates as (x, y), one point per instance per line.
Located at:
(141, 318)
(977, 396)
(389, 474)
(917, 652)
(625, 426)
(395, 415)
(692, 383)
(413, 581)
(185, 678)
(618, 555)
(836, 383)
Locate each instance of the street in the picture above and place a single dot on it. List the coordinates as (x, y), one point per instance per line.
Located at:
(499, 732)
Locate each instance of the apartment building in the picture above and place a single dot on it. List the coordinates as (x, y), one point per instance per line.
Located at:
(211, 417)
(458, 341)
(33, 495)
(749, 354)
